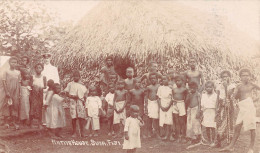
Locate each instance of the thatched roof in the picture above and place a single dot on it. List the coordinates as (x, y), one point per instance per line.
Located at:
(164, 29)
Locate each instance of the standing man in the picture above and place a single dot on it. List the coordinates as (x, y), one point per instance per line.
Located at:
(50, 72)
(194, 75)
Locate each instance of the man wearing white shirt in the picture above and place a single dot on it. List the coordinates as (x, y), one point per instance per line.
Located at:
(50, 71)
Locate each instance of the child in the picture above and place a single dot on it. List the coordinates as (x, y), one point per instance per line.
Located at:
(132, 130)
(151, 105)
(26, 84)
(39, 83)
(119, 106)
(179, 111)
(247, 111)
(193, 100)
(93, 106)
(9, 97)
(208, 106)
(129, 81)
(110, 107)
(194, 75)
(153, 68)
(76, 93)
(47, 98)
(165, 103)
(129, 85)
(170, 77)
(136, 96)
(56, 111)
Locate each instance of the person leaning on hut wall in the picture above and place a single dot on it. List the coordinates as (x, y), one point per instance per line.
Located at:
(50, 72)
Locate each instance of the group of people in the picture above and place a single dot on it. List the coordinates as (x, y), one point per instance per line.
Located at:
(173, 106)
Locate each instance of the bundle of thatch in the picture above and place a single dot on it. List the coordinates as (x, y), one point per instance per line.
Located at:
(139, 31)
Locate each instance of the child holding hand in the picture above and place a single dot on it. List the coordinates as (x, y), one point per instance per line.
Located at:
(132, 130)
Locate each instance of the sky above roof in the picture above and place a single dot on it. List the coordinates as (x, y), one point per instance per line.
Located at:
(245, 15)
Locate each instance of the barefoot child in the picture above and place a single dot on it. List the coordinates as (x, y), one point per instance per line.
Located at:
(165, 103)
(39, 83)
(76, 93)
(247, 111)
(26, 84)
(10, 92)
(194, 75)
(193, 100)
(110, 107)
(132, 130)
(119, 107)
(179, 111)
(208, 106)
(151, 105)
(136, 97)
(47, 99)
(56, 119)
(93, 106)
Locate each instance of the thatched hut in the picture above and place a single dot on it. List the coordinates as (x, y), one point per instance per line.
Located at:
(138, 31)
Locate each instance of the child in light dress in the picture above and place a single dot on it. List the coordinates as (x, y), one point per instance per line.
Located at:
(93, 108)
(25, 90)
(56, 120)
(208, 106)
(133, 123)
(165, 103)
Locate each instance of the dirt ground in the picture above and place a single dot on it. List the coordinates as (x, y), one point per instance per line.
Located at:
(39, 142)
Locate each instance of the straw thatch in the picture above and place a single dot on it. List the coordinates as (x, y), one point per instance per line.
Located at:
(139, 31)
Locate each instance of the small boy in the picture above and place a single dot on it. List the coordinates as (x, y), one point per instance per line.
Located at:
(110, 107)
(153, 68)
(76, 92)
(193, 99)
(247, 111)
(179, 110)
(165, 103)
(119, 107)
(170, 77)
(194, 75)
(136, 97)
(129, 81)
(151, 105)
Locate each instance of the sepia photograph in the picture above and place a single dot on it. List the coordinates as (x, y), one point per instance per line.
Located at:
(130, 76)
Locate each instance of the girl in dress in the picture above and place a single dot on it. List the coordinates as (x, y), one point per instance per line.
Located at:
(39, 83)
(56, 111)
(93, 108)
(47, 98)
(132, 130)
(25, 90)
(10, 92)
(208, 106)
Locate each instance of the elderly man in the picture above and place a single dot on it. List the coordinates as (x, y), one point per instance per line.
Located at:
(50, 72)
